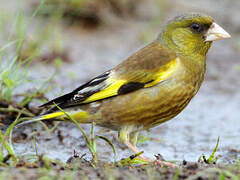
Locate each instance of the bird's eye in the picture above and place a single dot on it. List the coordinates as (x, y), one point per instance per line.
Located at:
(196, 27)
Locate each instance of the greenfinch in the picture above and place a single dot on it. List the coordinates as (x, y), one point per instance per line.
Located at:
(148, 88)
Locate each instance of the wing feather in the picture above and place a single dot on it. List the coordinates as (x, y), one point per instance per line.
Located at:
(125, 78)
(81, 93)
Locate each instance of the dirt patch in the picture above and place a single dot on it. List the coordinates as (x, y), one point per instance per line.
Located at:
(78, 168)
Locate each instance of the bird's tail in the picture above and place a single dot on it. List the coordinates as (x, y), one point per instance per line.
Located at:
(80, 116)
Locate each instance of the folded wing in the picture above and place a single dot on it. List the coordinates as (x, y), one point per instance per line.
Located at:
(125, 78)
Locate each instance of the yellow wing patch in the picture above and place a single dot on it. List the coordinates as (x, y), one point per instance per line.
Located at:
(165, 72)
(78, 115)
(114, 84)
(52, 115)
(111, 90)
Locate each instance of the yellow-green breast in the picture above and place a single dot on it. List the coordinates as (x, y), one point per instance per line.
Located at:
(148, 107)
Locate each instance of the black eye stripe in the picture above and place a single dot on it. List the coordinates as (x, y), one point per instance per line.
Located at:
(197, 27)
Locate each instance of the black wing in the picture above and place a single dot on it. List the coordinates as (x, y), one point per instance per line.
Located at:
(81, 93)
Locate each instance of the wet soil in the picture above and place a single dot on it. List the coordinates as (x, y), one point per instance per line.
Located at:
(81, 169)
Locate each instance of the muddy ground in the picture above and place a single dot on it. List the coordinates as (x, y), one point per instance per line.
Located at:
(87, 51)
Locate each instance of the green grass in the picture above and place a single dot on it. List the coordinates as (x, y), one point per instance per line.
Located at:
(18, 52)
(6, 144)
(14, 74)
(212, 158)
(91, 143)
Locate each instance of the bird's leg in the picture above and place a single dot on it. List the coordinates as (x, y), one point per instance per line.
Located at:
(157, 162)
(129, 139)
(131, 144)
(134, 138)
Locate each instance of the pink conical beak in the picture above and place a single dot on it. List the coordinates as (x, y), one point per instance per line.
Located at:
(216, 32)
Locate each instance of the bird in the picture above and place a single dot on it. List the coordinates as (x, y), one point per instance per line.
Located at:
(148, 88)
